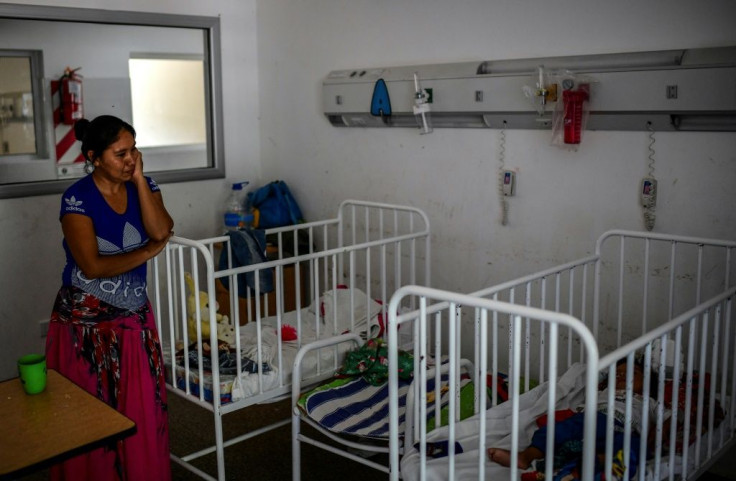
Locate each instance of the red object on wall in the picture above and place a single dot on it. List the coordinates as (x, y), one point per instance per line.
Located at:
(71, 97)
(573, 120)
(65, 115)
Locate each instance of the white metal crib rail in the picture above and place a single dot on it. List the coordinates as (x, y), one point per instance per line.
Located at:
(643, 287)
(171, 298)
(297, 436)
(691, 356)
(694, 347)
(361, 229)
(371, 246)
(646, 279)
(370, 231)
(564, 288)
(675, 272)
(429, 326)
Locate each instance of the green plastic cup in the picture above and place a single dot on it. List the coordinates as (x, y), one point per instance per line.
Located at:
(32, 373)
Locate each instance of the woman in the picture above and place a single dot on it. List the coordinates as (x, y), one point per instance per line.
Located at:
(102, 333)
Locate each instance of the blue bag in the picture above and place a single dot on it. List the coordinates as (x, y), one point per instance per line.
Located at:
(276, 206)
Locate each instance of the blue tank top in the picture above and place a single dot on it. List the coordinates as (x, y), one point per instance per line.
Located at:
(116, 234)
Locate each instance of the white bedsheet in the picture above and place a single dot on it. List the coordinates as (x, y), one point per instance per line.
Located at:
(570, 394)
(338, 311)
(532, 404)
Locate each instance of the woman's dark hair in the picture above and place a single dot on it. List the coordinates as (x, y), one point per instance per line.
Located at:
(98, 134)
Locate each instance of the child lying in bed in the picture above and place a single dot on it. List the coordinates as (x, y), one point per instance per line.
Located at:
(569, 430)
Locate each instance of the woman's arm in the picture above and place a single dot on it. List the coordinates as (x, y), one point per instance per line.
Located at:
(79, 234)
(156, 219)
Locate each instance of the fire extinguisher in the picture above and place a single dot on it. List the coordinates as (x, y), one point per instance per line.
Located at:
(70, 89)
(573, 119)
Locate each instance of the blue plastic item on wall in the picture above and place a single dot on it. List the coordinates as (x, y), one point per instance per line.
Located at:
(380, 103)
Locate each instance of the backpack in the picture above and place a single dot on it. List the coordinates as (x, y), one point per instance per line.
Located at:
(274, 206)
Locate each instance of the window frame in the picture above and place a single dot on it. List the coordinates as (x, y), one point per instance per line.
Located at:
(39, 160)
(210, 27)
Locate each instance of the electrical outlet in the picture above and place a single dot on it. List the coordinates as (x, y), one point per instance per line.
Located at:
(43, 327)
(509, 183)
(648, 192)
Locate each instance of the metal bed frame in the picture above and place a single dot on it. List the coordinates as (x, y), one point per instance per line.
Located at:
(638, 291)
(375, 247)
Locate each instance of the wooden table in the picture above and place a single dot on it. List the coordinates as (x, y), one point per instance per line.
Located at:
(41, 429)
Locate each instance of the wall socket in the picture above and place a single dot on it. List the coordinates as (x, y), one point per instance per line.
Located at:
(43, 327)
(508, 183)
(648, 192)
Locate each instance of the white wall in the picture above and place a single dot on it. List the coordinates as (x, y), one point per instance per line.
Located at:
(565, 200)
(274, 59)
(30, 234)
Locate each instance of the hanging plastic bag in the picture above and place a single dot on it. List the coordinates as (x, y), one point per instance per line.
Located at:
(274, 206)
(571, 113)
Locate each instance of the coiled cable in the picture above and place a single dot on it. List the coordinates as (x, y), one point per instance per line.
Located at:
(649, 214)
(501, 167)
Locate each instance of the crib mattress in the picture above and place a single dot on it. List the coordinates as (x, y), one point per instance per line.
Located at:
(338, 312)
(570, 390)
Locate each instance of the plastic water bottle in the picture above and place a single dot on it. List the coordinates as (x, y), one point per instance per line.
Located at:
(236, 213)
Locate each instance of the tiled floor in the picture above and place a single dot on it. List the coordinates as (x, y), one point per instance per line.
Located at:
(268, 457)
(724, 470)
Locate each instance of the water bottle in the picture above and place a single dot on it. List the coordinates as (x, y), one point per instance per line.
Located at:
(236, 212)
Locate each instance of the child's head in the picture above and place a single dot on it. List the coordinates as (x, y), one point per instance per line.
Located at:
(638, 379)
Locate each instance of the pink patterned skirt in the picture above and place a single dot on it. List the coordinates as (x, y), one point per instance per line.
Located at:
(114, 354)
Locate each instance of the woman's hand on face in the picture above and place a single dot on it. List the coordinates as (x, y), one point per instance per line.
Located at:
(138, 167)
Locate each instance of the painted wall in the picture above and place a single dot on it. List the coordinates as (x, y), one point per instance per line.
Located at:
(30, 233)
(275, 54)
(564, 200)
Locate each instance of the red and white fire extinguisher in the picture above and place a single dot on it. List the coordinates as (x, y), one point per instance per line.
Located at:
(70, 90)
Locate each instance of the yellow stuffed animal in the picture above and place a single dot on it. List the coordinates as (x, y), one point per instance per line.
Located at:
(225, 331)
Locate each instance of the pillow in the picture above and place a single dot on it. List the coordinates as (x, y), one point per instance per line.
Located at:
(338, 301)
(669, 362)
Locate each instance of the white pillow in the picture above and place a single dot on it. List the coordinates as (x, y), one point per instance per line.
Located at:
(338, 302)
(669, 362)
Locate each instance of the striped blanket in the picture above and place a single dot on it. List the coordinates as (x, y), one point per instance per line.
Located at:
(354, 406)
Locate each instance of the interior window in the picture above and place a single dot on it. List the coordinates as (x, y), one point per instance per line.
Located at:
(168, 103)
(171, 92)
(18, 135)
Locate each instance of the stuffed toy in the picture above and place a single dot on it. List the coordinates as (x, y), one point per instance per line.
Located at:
(225, 331)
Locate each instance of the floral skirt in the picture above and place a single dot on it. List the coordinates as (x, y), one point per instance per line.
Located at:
(115, 354)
